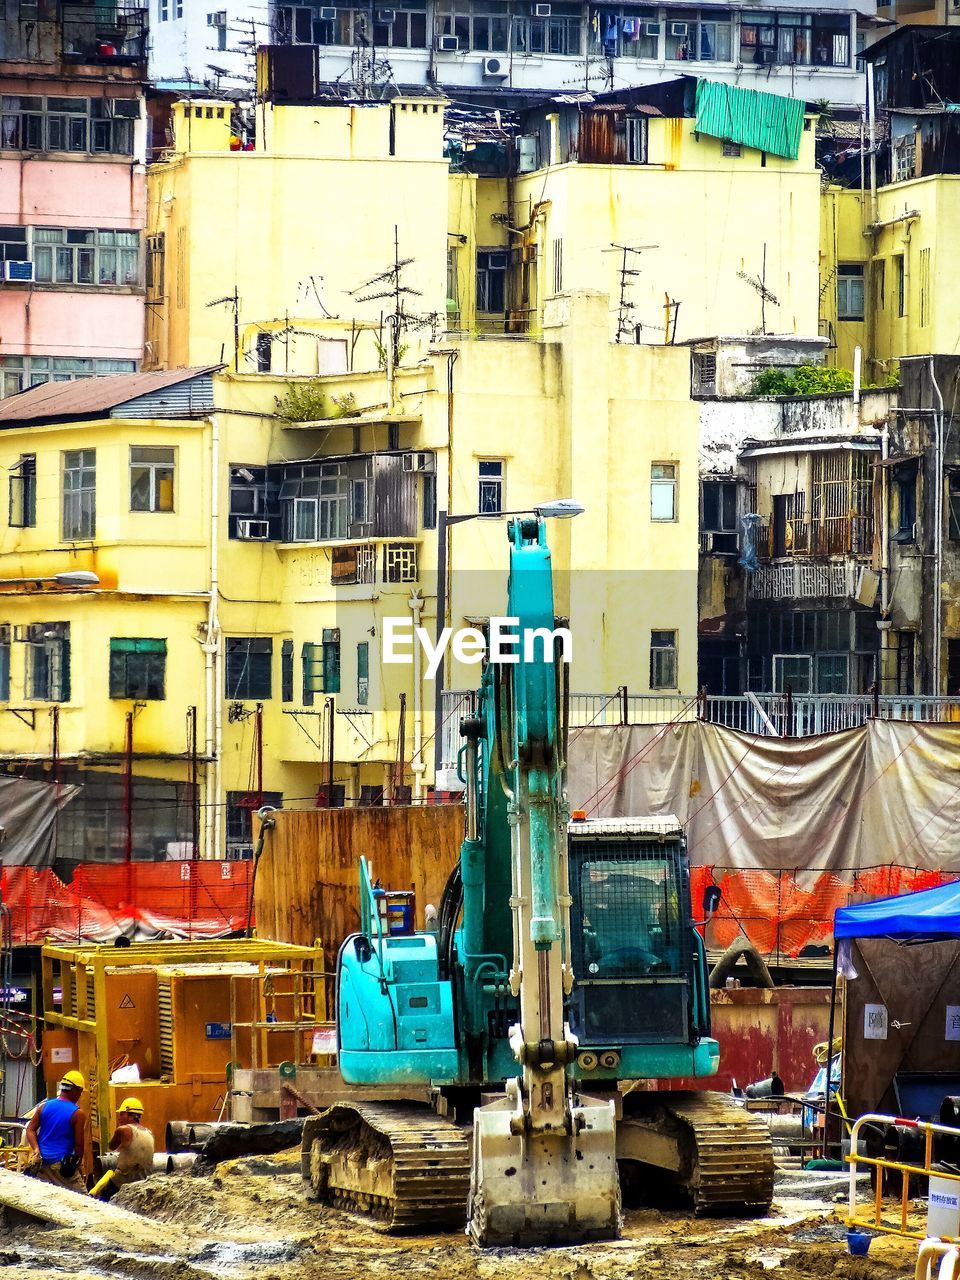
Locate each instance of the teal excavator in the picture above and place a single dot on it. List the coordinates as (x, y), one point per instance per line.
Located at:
(565, 962)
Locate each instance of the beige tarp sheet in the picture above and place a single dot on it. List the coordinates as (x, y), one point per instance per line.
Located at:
(888, 792)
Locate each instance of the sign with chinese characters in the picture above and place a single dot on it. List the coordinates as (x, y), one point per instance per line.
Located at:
(874, 1022)
(952, 1030)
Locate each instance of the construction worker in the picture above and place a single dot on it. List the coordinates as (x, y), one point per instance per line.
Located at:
(56, 1133)
(134, 1147)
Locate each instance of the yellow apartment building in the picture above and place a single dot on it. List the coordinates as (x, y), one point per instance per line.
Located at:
(245, 564)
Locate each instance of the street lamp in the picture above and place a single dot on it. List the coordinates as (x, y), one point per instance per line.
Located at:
(558, 509)
(72, 578)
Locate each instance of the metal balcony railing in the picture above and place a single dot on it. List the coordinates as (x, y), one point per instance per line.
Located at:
(764, 714)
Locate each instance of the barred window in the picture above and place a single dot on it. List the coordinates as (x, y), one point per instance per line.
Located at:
(138, 669)
(399, 562)
(249, 668)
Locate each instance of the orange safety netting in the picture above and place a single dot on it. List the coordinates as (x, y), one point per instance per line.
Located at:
(781, 912)
(184, 899)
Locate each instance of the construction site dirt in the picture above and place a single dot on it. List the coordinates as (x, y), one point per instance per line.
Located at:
(250, 1220)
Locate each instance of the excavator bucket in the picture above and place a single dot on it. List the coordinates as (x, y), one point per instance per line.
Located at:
(541, 1188)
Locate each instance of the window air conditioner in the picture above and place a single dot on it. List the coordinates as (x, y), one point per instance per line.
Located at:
(768, 55)
(328, 13)
(494, 68)
(542, 10)
(651, 28)
(678, 29)
(387, 15)
(448, 44)
(253, 530)
(17, 270)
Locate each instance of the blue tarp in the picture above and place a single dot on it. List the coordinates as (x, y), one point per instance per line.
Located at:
(929, 913)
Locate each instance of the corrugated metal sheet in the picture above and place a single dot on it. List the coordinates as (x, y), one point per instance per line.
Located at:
(395, 497)
(93, 397)
(188, 399)
(603, 138)
(764, 121)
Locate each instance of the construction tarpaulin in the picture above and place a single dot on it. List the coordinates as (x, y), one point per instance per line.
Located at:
(887, 793)
(932, 915)
(194, 899)
(764, 121)
(27, 813)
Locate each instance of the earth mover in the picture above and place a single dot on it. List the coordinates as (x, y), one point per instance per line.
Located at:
(565, 961)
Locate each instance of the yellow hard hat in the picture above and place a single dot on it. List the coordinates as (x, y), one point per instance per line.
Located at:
(131, 1104)
(74, 1079)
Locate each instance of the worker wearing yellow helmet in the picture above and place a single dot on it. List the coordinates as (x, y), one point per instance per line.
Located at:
(134, 1147)
(57, 1133)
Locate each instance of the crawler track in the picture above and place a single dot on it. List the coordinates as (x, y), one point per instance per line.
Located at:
(402, 1165)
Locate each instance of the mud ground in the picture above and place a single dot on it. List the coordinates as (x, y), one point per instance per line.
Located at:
(250, 1221)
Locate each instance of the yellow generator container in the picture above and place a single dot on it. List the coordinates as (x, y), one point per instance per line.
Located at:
(169, 1008)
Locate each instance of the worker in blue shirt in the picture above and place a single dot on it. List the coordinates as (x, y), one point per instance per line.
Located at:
(57, 1135)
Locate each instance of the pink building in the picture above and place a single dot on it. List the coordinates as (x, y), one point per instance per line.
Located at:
(72, 193)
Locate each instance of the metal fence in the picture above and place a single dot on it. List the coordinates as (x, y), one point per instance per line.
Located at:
(770, 714)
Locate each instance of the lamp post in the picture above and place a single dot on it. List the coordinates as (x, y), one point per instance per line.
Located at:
(72, 578)
(558, 509)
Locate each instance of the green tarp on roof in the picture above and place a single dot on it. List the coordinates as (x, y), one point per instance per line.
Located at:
(765, 121)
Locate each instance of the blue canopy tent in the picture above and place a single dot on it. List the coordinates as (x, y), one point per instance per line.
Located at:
(927, 915)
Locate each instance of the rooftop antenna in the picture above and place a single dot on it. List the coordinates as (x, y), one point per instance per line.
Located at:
(627, 328)
(232, 300)
(759, 283)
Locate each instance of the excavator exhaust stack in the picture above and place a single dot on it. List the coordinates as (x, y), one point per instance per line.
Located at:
(538, 1188)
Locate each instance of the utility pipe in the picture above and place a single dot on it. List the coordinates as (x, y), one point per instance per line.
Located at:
(872, 124)
(857, 365)
(416, 765)
(213, 712)
(884, 553)
(938, 530)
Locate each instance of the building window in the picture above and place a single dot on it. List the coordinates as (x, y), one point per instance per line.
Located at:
(286, 671)
(264, 352)
(953, 498)
(899, 267)
(17, 373)
(732, 150)
(325, 501)
(905, 158)
(850, 291)
(249, 675)
(720, 511)
(490, 487)
(321, 666)
(48, 662)
(795, 38)
(402, 26)
(13, 244)
(151, 478)
(253, 504)
(428, 493)
(79, 495)
(905, 647)
(558, 266)
(705, 373)
(636, 131)
(663, 491)
(163, 10)
(492, 281)
(663, 660)
(924, 288)
(5, 663)
(399, 562)
(371, 796)
(23, 492)
(363, 672)
(138, 669)
(31, 123)
(905, 486)
(241, 806)
(68, 256)
(155, 266)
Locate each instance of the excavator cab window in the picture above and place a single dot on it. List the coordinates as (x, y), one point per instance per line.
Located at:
(631, 945)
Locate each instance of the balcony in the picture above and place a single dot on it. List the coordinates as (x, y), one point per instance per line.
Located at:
(104, 33)
(807, 579)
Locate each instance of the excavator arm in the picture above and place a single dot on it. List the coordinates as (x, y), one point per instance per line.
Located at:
(544, 1162)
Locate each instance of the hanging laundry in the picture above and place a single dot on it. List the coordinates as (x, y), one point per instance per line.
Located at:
(630, 28)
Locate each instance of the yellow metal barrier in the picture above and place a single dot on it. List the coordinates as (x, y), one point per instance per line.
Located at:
(876, 1222)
